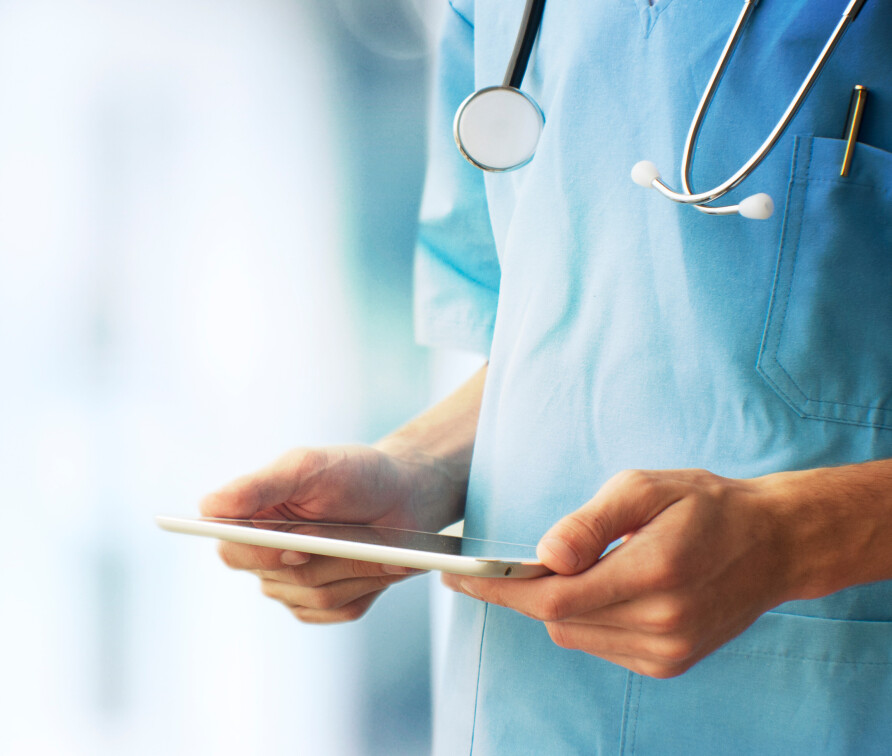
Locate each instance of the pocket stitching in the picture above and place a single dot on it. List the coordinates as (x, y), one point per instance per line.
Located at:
(771, 343)
(794, 657)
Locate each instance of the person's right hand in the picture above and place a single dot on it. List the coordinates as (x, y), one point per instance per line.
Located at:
(354, 484)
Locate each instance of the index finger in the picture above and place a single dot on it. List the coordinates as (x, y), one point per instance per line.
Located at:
(242, 556)
(558, 597)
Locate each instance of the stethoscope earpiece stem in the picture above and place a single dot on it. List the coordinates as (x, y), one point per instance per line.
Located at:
(757, 206)
(498, 128)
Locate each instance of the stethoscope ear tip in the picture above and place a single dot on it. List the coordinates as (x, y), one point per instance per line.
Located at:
(644, 173)
(757, 206)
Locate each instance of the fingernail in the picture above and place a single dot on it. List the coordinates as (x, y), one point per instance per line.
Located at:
(465, 588)
(395, 569)
(293, 558)
(558, 549)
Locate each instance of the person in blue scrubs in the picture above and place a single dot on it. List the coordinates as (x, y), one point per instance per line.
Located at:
(691, 415)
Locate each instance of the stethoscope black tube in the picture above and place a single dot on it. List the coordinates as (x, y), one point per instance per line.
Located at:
(526, 37)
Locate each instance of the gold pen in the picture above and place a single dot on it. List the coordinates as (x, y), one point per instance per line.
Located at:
(853, 125)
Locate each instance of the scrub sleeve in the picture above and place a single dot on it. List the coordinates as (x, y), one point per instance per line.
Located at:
(627, 332)
(456, 267)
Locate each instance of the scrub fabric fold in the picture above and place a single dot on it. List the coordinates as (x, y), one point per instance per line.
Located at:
(625, 331)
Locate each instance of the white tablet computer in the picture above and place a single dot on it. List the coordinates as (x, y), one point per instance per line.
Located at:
(372, 543)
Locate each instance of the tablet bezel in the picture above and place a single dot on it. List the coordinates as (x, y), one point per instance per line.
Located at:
(235, 530)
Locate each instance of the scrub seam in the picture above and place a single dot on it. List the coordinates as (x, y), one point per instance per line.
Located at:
(630, 714)
(794, 657)
(445, 259)
(771, 337)
(488, 323)
(808, 399)
(789, 286)
(649, 13)
(800, 177)
(841, 183)
(477, 687)
(462, 335)
(829, 418)
(766, 337)
(636, 684)
(460, 14)
(805, 181)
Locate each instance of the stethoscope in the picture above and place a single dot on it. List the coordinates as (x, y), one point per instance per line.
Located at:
(497, 128)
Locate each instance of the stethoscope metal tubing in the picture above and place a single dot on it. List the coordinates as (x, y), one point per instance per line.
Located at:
(688, 197)
(715, 79)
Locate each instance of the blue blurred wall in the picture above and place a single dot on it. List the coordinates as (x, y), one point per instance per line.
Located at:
(207, 213)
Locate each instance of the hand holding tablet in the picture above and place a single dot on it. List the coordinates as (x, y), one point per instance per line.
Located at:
(372, 543)
(387, 489)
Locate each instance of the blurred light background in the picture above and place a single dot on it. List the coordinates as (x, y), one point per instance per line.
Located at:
(207, 213)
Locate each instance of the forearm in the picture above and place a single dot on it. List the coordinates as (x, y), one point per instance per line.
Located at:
(842, 534)
(442, 439)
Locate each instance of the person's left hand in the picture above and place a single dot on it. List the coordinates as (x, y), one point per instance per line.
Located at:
(703, 558)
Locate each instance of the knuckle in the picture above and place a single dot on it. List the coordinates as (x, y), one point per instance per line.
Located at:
(269, 588)
(646, 485)
(268, 559)
(365, 569)
(260, 557)
(641, 480)
(559, 634)
(550, 607)
(659, 671)
(675, 651)
(301, 578)
(305, 460)
(353, 611)
(326, 599)
(716, 489)
(586, 531)
(668, 616)
(227, 556)
(708, 480)
(385, 581)
(664, 571)
(299, 613)
(211, 505)
(624, 477)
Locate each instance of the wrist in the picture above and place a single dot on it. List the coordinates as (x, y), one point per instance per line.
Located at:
(828, 538)
(434, 451)
(437, 485)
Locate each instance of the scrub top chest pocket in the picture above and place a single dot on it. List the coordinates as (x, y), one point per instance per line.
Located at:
(827, 345)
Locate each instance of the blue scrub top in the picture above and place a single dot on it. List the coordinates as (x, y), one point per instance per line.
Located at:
(626, 331)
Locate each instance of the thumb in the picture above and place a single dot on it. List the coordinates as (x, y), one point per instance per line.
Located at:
(624, 503)
(273, 485)
(238, 499)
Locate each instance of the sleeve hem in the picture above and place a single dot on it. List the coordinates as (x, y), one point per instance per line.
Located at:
(468, 336)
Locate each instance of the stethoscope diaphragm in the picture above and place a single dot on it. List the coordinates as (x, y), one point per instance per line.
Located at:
(498, 128)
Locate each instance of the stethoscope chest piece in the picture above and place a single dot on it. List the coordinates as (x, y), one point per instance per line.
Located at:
(497, 128)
